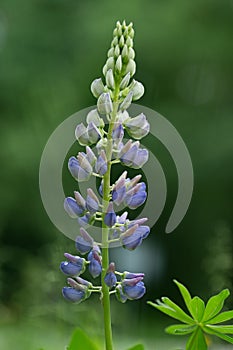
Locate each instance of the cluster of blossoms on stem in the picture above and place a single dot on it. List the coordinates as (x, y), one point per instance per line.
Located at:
(105, 129)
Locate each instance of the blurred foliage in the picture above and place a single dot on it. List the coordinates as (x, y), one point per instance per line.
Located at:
(50, 51)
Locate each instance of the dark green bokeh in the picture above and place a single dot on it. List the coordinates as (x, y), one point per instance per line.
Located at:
(50, 51)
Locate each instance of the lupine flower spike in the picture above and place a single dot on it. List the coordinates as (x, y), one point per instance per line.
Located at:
(115, 91)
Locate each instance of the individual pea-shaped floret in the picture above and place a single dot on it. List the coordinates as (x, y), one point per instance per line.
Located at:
(110, 215)
(95, 265)
(133, 288)
(133, 237)
(75, 265)
(77, 292)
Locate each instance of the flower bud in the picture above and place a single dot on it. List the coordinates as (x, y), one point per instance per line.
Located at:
(73, 294)
(117, 51)
(124, 53)
(85, 220)
(110, 277)
(111, 52)
(110, 64)
(129, 275)
(128, 157)
(84, 282)
(72, 208)
(110, 79)
(92, 202)
(137, 127)
(93, 116)
(115, 41)
(82, 135)
(84, 163)
(127, 101)
(97, 87)
(119, 192)
(131, 67)
(101, 163)
(138, 90)
(110, 216)
(121, 41)
(84, 242)
(129, 42)
(118, 66)
(131, 53)
(125, 81)
(104, 104)
(140, 159)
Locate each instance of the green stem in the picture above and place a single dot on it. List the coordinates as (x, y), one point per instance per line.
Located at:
(105, 229)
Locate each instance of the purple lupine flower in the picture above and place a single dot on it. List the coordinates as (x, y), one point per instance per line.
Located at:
(84, 163)
(83, 282)
(80, 200)
(120, 295)
(136, 196)
(95, 266)
(101, 163)
(74, 267)
(110, 277)
(93, 133)
(137, 127)
(133, 288)
(84, 242)
(131, 238)
(73, 294)
(72, 208)
(77, 171)
(110, 215)
(141, 158)
(82, 135)
(128, 157)
(92, 202)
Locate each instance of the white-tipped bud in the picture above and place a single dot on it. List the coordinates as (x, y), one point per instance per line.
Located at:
(115, 41)
(117, 51)
(110, 63)
(115, 32)
(124, 51)
(104, 104)
(138, 90)
(97, 87)
(131, 67)
(110, 79)
(121, 41)
(125, 81)
(127, 101)
(119, 31)
(131, 53)
(119, 64)
(131, 33)
(111, 52)
(129, 42)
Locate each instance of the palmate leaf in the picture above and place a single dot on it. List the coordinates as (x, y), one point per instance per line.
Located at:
(222, 317)
(215, 304)
(183, 316)
(180, 329)
(197, 341)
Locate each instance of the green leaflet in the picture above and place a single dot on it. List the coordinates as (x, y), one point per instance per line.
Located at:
(222, 329)
(180, 329)
(137, 347)
(185, 294)
(168, 311)
(215, 304)
(222, 317)
(197, 341)
(80, 341)
(218, 334)
(197, 308)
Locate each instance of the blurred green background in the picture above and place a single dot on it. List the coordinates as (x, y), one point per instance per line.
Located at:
(50, 51)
